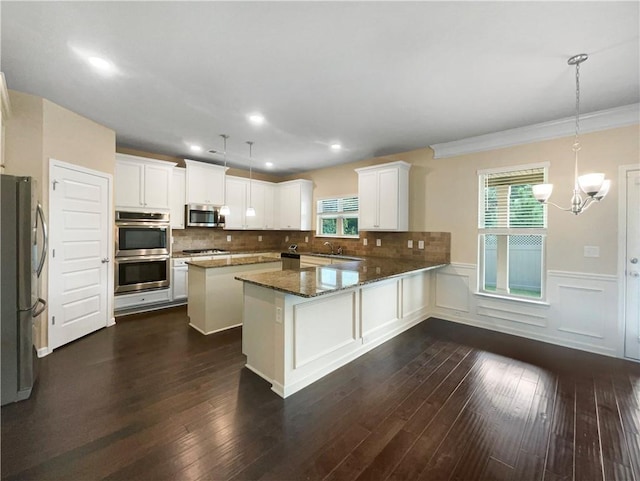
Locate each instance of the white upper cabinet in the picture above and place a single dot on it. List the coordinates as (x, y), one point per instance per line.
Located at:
(241, 194)
(383, 192)
(205, 183)
(178, 198)
(142, 184)
(293, 205)
(237, 202)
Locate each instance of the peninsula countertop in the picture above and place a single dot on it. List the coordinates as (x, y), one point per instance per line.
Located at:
(239, 261)
(316, 281)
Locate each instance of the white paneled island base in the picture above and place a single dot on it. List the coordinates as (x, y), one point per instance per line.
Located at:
(292, 341)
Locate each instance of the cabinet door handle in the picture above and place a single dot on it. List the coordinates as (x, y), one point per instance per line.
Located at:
(104, 260)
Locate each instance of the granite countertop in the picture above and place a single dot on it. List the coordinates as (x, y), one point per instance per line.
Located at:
(315, 281)
(241, 261)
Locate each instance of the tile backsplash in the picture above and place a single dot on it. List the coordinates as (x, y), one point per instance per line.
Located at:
(437, 245)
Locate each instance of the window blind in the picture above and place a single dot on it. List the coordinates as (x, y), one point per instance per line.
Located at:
(508, 202)
(338, 205)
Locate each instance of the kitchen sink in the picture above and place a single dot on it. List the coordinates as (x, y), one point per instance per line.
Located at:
(336, 256)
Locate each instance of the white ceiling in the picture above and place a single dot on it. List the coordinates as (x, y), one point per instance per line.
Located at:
(378, 77)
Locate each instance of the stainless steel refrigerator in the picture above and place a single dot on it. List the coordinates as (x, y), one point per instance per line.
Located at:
(23, 247)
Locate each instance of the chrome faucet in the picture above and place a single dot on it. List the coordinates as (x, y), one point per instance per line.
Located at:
(330, 245)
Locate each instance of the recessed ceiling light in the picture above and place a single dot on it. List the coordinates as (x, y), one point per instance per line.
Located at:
(195, 148)
(269, 164)
(101, 64)
(256, 119)
(336, 147)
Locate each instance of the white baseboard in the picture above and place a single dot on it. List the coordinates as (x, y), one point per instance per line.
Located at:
(43, 351)
(213, 332)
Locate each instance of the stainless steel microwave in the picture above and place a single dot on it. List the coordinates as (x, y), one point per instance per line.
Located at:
(203, 215)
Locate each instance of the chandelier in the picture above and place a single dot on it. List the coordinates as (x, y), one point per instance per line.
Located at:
(595, 186)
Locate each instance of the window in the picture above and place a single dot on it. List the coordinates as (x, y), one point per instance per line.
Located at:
(338, 217)
(512, 232)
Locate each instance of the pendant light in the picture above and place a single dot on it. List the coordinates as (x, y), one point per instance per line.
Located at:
(224, 210)
(595, 186)
(251, 212)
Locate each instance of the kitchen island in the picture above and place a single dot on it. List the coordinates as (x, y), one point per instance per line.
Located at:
(215, 298)
(300, 325)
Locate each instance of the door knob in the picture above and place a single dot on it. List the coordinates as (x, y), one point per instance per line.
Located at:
(105, 260)
(633, 260)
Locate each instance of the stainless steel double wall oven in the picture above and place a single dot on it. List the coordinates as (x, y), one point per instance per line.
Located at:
(143, 251)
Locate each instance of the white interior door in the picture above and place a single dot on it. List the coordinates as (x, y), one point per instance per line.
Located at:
(80, 253)
(632, 266)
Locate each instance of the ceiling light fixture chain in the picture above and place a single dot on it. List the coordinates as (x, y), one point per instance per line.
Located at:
(595, 186)
(225, 210)
(251, 212)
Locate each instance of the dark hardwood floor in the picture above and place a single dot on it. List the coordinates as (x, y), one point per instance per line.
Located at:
(152, 399)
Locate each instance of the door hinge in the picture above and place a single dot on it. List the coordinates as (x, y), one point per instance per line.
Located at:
(53, 253)
(54, 184)
(53, 320)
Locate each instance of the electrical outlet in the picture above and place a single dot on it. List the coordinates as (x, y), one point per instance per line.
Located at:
(378, 242)
(229, 238)
(364, 241)
(420, 244)
(286, 239)
(410, 244)
(259, 238)
(306, 238)
(279, 315)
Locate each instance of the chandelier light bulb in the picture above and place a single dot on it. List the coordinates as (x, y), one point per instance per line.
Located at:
(604, 190)
(591, 184)
(542, 192)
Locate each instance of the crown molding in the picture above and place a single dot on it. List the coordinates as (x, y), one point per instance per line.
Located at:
(591, 122)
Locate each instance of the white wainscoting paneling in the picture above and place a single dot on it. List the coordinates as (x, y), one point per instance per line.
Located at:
(415, 294)
(453, 287)
(581, 313)
(583, 310)
(320, 327)
(379, 308)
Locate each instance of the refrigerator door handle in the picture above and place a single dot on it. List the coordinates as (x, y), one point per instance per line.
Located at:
(45, 238)
(43, 305)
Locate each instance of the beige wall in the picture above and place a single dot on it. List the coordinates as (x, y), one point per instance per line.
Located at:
(444, 194)
(23, 136)
(38, 130)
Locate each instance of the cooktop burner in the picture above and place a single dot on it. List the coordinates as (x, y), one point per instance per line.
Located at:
(206, 250)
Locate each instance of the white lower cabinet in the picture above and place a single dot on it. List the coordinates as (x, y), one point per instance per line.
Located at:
(130, 301)
(180, 278)
(314, 261)
(292, 341)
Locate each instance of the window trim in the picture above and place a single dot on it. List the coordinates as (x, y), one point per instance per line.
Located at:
(481, 231)
(339, 216)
